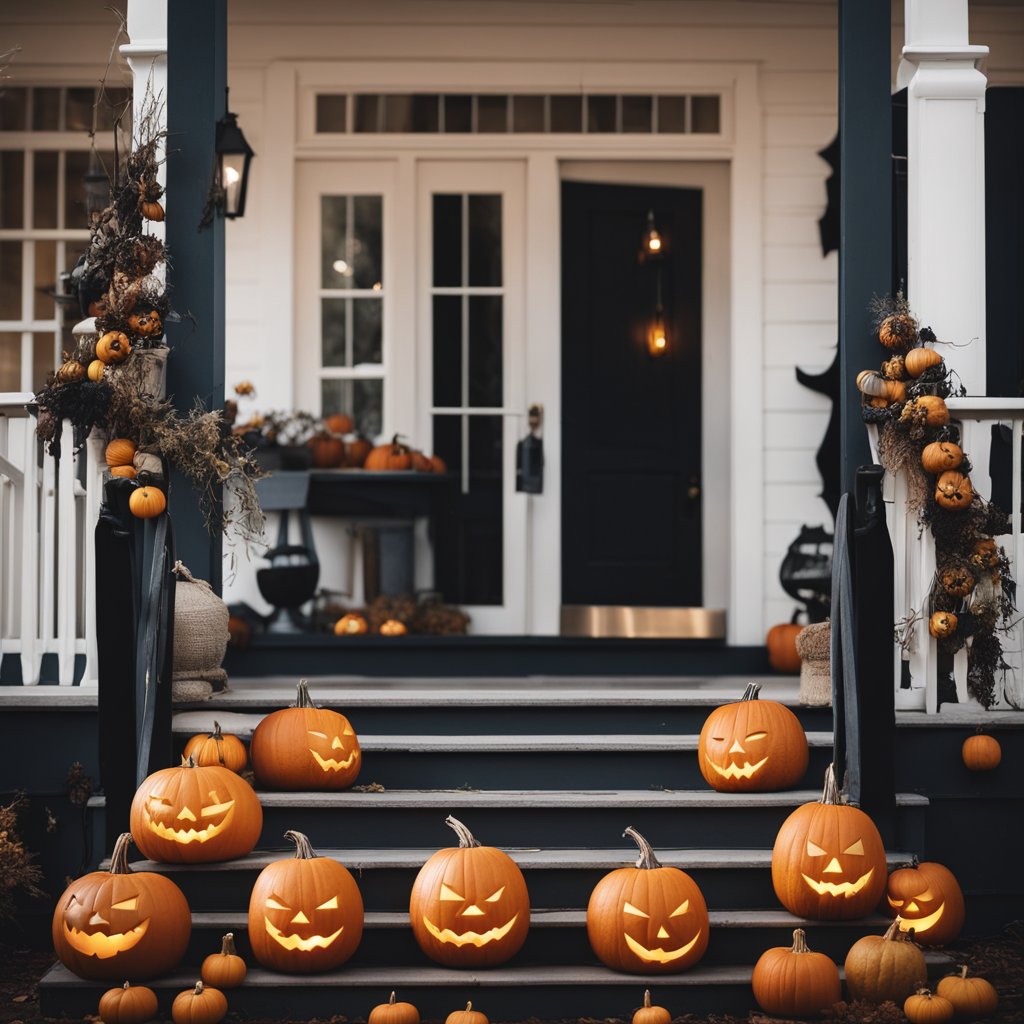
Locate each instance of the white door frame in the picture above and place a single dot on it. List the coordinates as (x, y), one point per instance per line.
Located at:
(290, 90)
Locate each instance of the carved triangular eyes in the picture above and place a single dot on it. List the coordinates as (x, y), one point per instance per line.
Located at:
(348, 731)
(129, 904)
(813, 850)
(494, 897)
(681, 909)
(756, 736)
(636, 912)
(449, 894)
(274, 904)
(857, 847)
(331, 904)
(318, 735)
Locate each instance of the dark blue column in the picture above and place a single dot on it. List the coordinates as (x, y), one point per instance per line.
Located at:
(197, 76)
(865, 257)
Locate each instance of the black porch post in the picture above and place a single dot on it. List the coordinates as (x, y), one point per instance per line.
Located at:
(197, 77)
(865, 257)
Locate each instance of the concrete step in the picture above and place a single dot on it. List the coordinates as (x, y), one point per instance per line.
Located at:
(560, 936)
(733, 879)
(550, 818)
(555, 705)
(536, 762)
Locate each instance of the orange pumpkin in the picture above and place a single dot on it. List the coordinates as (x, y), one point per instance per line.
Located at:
(647, 919)
(193, 814)
(95, 369)
(466, 1016)
(128, 1004)
(971, 997)
(884, 967)
(217, 748)
(781, 644)
(931, 409)
(339, 423)
(939, 456)
(648, 1014)
(928, 900)
(953, 490)
(127, 472)
(794, 981)
(917, 360)
(925, 1008)
(351, 624)
(942, 624)
(752, 745)
(146, 325)
(393, 627)
(70, 371)
(895, 368)
(828, 862)
(109, 924)
(356, 452)
(981, 753)
(199, 1005)
(394, 1013)
(328, 451)
(438, 464)
(147, 502)
(469, 905)
(120, 452)
(898, 332)
(305, 747)
(389, 457)
(305, 912)
(421, 463)
(113, 347)
(151, 211)
(225, 969)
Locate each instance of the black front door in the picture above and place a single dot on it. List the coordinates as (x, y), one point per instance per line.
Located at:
(631, 422)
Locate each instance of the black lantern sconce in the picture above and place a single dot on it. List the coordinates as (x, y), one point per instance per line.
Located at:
(232, 157)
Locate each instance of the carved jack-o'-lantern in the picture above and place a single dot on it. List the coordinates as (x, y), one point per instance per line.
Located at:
(195, 814)
(928, 899)
(118, 923)
(469, 906)
(647, 919)
(752, 745)
(305, 747)
(942, 624)
(146, 325)
(957, 579)
(828, 861)
(953, 490)
(305, 912)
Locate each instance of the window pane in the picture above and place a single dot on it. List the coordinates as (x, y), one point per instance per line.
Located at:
(10, 280)
(566, 113)
(458, 113)
(46, 110)
(10, 362)
(333, 333)
(367, 112)
(600, 113)
(331, 113)
(46, 284)
(78, 113)
(334, 269)
(44, 358)
(485, 332)
(75, 167)
(12, 109)
(367, 346)
(492, 114)
(366, 241)
(44, 199)
(447, 349)
(426, 113)
(12, 184)
(636, 113)
(528, 113)
(363, 400)
(114, 104)
(484, 240)
(447, 241)
(397, 113)
(705, 114)
(671, 113)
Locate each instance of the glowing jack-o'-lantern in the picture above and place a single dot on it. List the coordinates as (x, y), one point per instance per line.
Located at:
(305, 747)
(928, 900)
(752, 745)
(195, 813)
(647, 919)
(118, 923)
(305, 912)
(828, 862)
(469, 906)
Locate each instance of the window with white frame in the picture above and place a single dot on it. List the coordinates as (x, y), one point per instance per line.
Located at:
(45, 151)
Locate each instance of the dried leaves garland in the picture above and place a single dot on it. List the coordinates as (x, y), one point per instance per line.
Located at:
(906, 400)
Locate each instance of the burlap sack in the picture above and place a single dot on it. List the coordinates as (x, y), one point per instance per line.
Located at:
(200, 633)
(812, 644)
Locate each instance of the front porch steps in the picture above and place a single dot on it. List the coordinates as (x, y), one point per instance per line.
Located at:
(551, 770)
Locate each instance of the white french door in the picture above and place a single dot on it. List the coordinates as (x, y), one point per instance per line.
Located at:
(410, 317)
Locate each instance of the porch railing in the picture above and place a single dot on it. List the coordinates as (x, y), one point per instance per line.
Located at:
(914, 556)
(48, 510)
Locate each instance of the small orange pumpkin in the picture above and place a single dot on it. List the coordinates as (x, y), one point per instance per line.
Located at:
(781, 644)
(917, 360)
(898, 332)
(339, 423)
(981, 753)
(120, 452)
(953, 490)
(128, 472)
(129, 1004)
(467, 1016)
(795, 982)
(648, 1014)
(95, 369)
(70, 371)
(939, 456)
(217, 748)
(924, 1008)
(113, 347)
(393, 456)
(328, 451)
(225, 969)
(942, 624)
(356, 452)
(394, 1013)
(151, 210)
(147, 502)
(421, 463)
(971, 997)
(351, 624)
(393, 627)
(146, 325)
(930, 408)
(199, 1005)
(871, 382)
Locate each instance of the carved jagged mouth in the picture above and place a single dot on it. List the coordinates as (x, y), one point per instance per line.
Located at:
(919, 924)
(468, 938)
(101, 946)
(660, 956)
(297, 941)
(734, 771)
(191, 835)
(329, 764)
(845, 889)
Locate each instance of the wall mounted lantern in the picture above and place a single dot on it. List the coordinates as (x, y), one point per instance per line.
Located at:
(234, 155)
(653, 248)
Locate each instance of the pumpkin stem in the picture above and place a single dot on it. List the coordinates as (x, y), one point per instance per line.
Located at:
(391, 1001)
(647, 999)
(119, 858)
(469, 1006)
(751, 692)
(466, 838)
(303, 848)
(302, 697)
(126, 986)
(895, 932)
(830, 792)
(963, 970)
(198, 990)
(646, 859)
(227, 946)
(217, 734)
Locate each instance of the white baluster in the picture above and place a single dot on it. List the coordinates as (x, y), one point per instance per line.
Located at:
(67, 539)
(30, 562)
(94, 466)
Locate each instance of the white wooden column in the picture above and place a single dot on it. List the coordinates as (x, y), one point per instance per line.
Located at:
(946, 181)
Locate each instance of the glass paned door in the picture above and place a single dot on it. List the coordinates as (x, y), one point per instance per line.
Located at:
(471, 252)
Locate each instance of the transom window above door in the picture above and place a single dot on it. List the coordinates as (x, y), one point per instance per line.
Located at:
(489, 113)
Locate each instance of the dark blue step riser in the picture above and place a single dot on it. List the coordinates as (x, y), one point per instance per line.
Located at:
(389, 889)
(580, 826)
(614, 769)
(395, 946)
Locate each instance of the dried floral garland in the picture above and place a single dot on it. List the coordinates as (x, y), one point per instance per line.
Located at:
(972, 585)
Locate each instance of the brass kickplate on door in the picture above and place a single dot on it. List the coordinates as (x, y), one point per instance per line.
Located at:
(604, 620)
